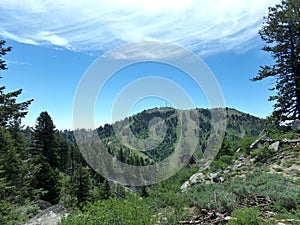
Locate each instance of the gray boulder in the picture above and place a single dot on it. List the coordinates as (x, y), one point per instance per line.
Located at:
(50, 216)
(275, 146)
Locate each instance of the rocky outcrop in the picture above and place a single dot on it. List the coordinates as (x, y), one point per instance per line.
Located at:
(274, 144)
(239, 164)
(49, 216)
(260, 141)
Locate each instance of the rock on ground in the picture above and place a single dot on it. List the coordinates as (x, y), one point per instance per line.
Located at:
(49, 216)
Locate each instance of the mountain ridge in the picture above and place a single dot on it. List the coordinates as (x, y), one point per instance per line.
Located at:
(136, 127)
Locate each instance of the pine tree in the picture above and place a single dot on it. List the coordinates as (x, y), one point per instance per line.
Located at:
(10, 110)
(104, 190)
(46, 140)
(11, 138)
(81, 181)
(46, 179)
(64, 156)
(45, 153)
(281, 32)
(10, 165)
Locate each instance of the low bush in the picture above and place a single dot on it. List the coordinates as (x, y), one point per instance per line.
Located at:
(133, 211)
(212, 197)
(224, 197)
(263, 154)
(15, 214)
(247, 216)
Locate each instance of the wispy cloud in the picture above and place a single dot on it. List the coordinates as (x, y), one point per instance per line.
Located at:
(19, 63)
(202, 26)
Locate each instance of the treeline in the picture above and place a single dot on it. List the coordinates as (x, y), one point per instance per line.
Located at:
(43, 163)
(39, 163)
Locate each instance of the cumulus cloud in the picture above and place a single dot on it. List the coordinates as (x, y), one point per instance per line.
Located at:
(201, 26)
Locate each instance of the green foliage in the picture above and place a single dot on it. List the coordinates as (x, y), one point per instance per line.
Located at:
(9, 163)
(12, 177)
(280, 134)
(263, 154)
(222, 162)
(240, 126)
(66, 197)
(271, 185)
(245, 143)
(10, 111)
(287, 164)
(247, 216)
(45, 139)
(47, 180)
(278, 169)
(100, 192)
(12, 214)
(44, 163)
(225, 196)
(212, 197)
(167, 199)
(132, 210)
(280, 31)
(45, 156)
(81, 183)
(286, 216)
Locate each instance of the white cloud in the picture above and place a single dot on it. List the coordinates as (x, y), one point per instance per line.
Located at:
(52, 38)
(202, 26)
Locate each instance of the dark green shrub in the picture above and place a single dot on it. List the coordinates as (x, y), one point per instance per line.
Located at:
(278, 169)
(15, 214)
(222, 162)
(263, 154)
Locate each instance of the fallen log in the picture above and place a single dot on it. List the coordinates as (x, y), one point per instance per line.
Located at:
(206, 218)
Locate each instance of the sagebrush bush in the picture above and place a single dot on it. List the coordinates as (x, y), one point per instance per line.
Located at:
(224, 197)
(212, 197)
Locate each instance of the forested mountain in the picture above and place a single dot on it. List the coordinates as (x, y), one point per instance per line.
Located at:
(251, 178)
(41, 165)
(47, 164)
(238, 125)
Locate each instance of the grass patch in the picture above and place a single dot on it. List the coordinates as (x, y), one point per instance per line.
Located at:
(247, 216)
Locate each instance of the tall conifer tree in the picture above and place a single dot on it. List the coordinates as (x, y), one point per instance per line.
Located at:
(45, 152)
(281, 32)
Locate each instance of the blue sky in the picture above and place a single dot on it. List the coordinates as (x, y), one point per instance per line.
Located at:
(55, 42)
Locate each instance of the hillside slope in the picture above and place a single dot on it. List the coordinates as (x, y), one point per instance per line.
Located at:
(133, 131)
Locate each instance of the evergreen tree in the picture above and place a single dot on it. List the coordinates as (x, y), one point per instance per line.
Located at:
(104, 190)
(11, 138)
(46, 139)
(66, 197)
(281, 32)
(10, 165)
(64, 156)
(81, 183)
(10, 110)
(46, 179)
(45, 153)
